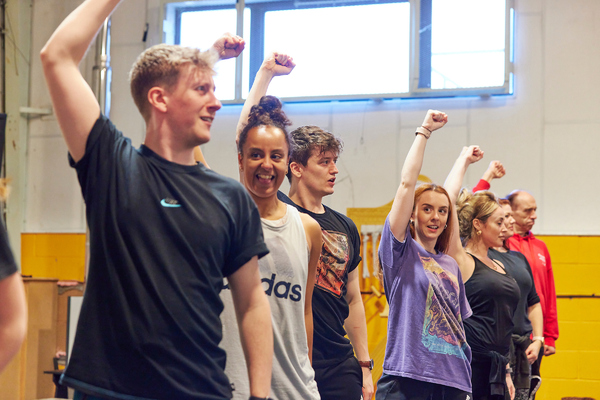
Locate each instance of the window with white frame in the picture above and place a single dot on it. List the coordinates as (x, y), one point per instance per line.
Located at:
(356, 49)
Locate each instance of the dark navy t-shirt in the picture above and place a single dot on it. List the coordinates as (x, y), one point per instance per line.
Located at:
(162, 237)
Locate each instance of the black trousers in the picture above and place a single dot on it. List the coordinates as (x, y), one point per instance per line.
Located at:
(341, 381)
(390, 387)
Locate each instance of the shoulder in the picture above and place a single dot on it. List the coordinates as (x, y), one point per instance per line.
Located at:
(309, 223)
(227, 191)
(346, 221)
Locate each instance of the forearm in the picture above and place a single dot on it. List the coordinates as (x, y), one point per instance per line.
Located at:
(404, 199)
(13, 317)
(455, 178)
(356, 328)
(308, 322)
(537, 319)
(72, 38)
(259, 89)
(256, 334)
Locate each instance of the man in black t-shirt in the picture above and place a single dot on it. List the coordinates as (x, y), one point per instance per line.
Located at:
(337, 303)
(13, 307)
(164, 231)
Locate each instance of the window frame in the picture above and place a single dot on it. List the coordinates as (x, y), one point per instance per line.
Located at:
(169, 21)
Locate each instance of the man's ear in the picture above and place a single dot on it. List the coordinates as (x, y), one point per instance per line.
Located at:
(157, 97)
(296, 169)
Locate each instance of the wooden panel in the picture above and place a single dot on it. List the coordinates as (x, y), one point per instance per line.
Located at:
(24, 378)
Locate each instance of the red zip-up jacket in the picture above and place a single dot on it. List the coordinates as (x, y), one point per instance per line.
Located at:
(538, 256)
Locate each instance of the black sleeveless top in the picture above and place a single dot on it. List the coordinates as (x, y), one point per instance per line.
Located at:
(493, 297)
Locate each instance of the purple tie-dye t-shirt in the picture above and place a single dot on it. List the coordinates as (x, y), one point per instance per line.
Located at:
(426, 337)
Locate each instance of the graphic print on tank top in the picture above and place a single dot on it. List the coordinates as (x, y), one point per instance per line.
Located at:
(333, 262)
(442, 332)
(278, 275)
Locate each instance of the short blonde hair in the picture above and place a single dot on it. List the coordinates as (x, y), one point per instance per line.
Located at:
(160, 66)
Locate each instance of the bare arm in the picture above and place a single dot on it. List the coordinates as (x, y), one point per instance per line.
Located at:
(274, 65)
(468, 156)
(315, 241)
(254, 320)
(510, 384)
(356, 327)
(13, 317)
(74, 103)
(495, 171)
(403, 202)
(537, 323)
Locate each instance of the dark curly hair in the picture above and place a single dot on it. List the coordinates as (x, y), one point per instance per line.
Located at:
(267, 112)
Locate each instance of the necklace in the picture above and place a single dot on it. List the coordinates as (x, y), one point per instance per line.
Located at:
(494, 266)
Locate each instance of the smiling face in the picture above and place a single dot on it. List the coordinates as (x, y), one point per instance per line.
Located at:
(493, 230)
(191, 106)
(430, 217)
(319, 174)
(264, 161)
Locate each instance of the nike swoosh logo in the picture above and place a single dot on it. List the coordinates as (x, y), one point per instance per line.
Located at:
(164, 203)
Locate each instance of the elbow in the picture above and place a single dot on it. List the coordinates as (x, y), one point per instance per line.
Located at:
(47, 56)
(50, 55)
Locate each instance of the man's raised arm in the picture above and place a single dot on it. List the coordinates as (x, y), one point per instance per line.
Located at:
(75, 105)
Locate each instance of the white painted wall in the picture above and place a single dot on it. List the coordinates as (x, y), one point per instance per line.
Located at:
(546, 134)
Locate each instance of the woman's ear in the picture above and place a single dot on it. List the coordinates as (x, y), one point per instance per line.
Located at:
(477, 224)
(240, 158)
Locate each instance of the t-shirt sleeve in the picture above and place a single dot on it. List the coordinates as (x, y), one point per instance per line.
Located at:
(532, 296)
(102, 147)
(7, 260)
(355, 239)
(391, 250)
(247, 240)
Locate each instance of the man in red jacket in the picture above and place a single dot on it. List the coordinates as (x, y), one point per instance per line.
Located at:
(524, 210)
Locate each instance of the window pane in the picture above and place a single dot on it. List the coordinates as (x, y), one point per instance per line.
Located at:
(366, 50)
(467, 43)
(200, 29)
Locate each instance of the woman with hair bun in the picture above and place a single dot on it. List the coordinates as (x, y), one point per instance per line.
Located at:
(288, 271)
(427, 355)
(492, 293)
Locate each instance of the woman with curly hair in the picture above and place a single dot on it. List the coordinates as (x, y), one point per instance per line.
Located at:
(288, 271)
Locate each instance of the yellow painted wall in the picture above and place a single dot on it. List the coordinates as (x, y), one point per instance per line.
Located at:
(53, 255)
(575, 370)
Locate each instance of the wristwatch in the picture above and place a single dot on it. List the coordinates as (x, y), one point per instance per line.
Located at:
(367, 364)
(540, 338)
